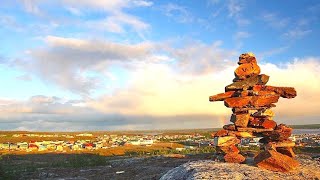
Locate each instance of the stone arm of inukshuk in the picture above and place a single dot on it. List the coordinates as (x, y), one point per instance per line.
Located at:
(251, 101)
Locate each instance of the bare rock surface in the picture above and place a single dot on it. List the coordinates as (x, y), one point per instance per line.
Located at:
(207, 169)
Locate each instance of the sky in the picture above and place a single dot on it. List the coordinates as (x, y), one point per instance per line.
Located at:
(76, 65)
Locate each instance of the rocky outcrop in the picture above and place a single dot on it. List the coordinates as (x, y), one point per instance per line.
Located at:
(251, 101)
(309, 169)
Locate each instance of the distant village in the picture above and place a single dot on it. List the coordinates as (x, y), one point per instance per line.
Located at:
(88, 141)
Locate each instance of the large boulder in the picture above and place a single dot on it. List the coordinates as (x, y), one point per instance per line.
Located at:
(247, 70)
(246, 58)
(275, 161)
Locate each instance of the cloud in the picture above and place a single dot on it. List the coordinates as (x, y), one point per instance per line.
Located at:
(297, 33)
(10, 22)
(303, 75)
(74, 11)
(68, 62)
(199, 58)
(110, 6)
(314, 8)
(297, 29)
(239, 36)
(40, 104)
(275, 21)
(2, 60)
(6, 101)
(212, 2)
(80, 66)
(117, 22)
(116, 19)
(142, 3)
(24, 77)
(170, 94)
(31, 6)
(180, 94)
(112, 16)
(158, 96)
(178, 13)
(235, 8)
(44, 113)
(273, 51)
(294, 29)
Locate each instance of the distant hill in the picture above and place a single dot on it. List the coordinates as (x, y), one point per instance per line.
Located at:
(163, 131)
(306, 126)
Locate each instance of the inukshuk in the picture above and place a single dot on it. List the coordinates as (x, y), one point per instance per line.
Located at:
(251, 101)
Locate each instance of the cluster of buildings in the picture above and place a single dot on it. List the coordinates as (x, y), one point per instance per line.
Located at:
(88, 141)
(307, 140)
(304, 140)
(91, 143)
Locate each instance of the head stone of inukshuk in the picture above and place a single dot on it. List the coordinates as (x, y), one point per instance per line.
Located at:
(251, 101)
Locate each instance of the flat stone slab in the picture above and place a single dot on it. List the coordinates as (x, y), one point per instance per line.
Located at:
(285, 92)
(249, 82)
(257, 130)
(221, 96)
(254, 101)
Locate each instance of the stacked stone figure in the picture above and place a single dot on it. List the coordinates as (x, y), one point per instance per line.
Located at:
(251, 101)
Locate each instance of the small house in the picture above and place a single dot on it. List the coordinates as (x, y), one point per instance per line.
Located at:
(33, 147)
(23, 145)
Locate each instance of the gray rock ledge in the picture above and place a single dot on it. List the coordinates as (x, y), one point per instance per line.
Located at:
(308, 169)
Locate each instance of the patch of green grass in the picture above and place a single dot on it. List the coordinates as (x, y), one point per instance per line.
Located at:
(12, 166)
(11, 171)
(250, 148)
(78, 161)
(202, 150)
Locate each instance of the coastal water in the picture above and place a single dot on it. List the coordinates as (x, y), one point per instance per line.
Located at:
(306, 131)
